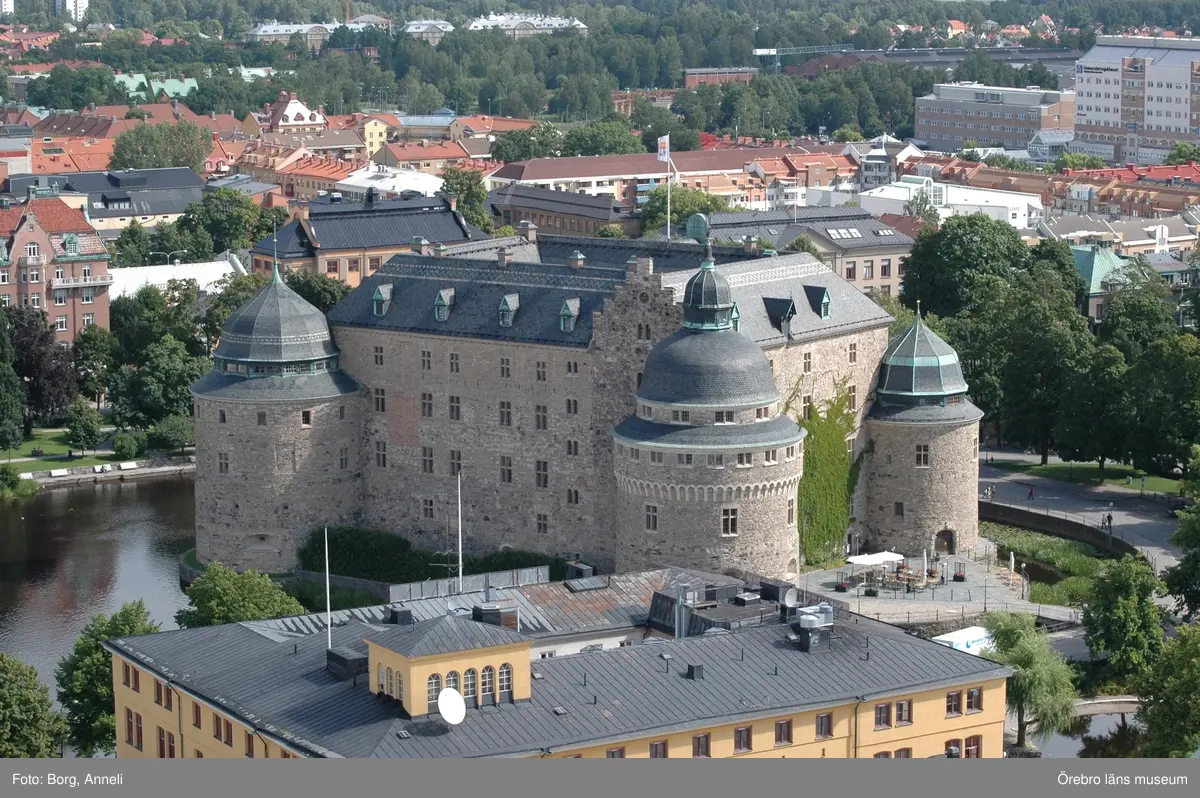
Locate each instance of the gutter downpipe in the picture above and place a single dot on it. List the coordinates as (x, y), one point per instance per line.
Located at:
(861, 700)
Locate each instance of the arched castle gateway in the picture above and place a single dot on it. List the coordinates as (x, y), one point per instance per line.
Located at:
(707, 468)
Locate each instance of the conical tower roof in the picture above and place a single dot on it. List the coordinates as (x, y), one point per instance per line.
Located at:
(276, 326)
(917, 363)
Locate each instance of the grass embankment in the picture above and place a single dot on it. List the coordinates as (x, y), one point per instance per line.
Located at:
(1078, 564)
(62, 461)
(13, 486)
(1089, 474)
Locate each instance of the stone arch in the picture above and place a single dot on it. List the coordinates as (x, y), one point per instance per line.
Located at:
(945, 542)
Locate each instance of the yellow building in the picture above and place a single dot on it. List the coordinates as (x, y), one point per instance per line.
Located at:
(855, 688)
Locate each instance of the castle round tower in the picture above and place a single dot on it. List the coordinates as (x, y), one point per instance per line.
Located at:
(707, 468)
(277, 435)
(922, 460)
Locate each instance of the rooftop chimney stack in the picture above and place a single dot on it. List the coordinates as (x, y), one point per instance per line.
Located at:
(695, 673)
(645, 266)
(440, 250)
(421, 245)
(528, 231)
(576, 261)
(750, 245)
(503, 258)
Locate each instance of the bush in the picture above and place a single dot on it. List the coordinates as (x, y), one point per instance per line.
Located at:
(174, 433)
(1074, 591)
(1068, 556)
(384, 557)
(13, 485)
(312, 596)
(130, 446)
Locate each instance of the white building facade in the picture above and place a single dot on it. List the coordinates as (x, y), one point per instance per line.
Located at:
(71, 9)
(1020, 210)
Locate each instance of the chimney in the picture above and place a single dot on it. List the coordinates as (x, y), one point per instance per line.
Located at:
(212, 114)
(420, 245)
(440, 250)
(645, 266)
(503, 258)
(321, 110)
(576, 261)
(292, 96)
(750, 245)
(266, 108)
(345, 663)
(695, 673)
(451, 200)
(528, 231)
(91, 107)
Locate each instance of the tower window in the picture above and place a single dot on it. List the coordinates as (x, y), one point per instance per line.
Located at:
(543, 524)
(306, 418)
(222, 463)
(506, 414)
(651, 518)
(455, 462)
(542, 470)
(791, 511)
(540, 371)
(455, 408)
(922, 455)
(427, 405)
(540, 417)
(379, 356)
(729, 522)
(505, 468)
(853, 353)
(381, 454)
(505, 368)
(427, 508)
(572, 496)
(221, 417)
(852, 395)
(380, 400)
(262, 419)
(807, 362)
(898, 509)
(573, 448)
(453, 362)
(572, 407)
(343, 458)
(426, 360)
(426, 459)
(723, 417)
(806, 408)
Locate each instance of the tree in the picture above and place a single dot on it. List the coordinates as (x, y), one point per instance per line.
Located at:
(684, 202)
(1040, 691)
(175, 433)
(12, 400)
(602, 138)
(1077, 160)
(1168, 690)
(471, 193)
(1138, 313)
(94, 356)
(1183, 579)
(44, 368)
(144, 395)
(319, 290)
(610, 231)
(543, 140)
(1122, 619)
(902, 317)
(132, 247)
(29, 726)
(1055, 255)
(74, 89)
(83, 426)
(84, 678)
(150, 146)
(802, 243)
(1096, 414)
(222, 595)
(146, 317)
(848, 132)
(921, 206)
(229, 218)
(1164, 385)
(185, 241)
(1184, 152)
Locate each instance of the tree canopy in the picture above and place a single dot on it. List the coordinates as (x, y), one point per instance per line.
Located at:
(156, 146)
(222, 595)
(29, 726)
(1040, 691)
(1122, 619)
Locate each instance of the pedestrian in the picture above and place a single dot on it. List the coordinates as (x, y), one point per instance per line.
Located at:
(1031, 493)
(1110, 522)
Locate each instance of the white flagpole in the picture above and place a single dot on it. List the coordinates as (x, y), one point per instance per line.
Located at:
(669, 221)
(460, 557)
(328, 610)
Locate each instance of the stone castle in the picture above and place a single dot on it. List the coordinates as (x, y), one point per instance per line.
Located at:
(631, 411)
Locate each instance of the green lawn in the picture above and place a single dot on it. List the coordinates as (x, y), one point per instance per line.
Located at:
(62, 461)
(1088, 474)
(52, 441)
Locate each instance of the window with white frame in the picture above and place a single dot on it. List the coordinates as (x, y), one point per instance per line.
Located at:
(922, 459)
(729, 522)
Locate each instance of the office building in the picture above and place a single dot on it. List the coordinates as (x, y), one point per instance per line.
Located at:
(990, 115)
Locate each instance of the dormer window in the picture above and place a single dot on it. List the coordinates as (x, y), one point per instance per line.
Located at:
(825, 309)
(443, 303)
(508, 309)
(381, 302)
(736, 318)
(71, 244)
(568, 315)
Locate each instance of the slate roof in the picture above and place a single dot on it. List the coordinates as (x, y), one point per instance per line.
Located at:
(357, 226)
(444, 635)
(919, 363)
(292, 387)
(780, 431)
(152, 192)
(669, 256)
(602, 208)
(276, 326)
(714, 368)
(479, 288)
(284, 688)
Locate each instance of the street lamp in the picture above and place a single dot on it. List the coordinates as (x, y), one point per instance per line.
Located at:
(1024, 579)
(168, 255)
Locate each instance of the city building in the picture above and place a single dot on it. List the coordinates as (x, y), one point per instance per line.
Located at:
(112, 199)
(521, 25)
(52, 259)
(1127, 238)
(387, 183)
(429, 30)
(286, 115)
(624, 101)
(1100, 268)
(1135, 97)
(309, 177)
(1048, 145)
(71, 9)
(1018, 209)
(372, 129)
(347, 145)
(314, 34)
(998, 115)
(350, 240)
(717, 75)
(52, 155)
(424, 156)
(559, 211)
(128, 280)
(110, 121)
(486, 126)
(266, 194)
(879, 162)
(256, 690)
(7, 7)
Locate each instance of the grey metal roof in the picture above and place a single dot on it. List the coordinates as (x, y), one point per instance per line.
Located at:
(1165, 262)
(479, 288)
(600, 208)
(707, 289)
(919, 363)
(715, 368)
(791, 215)
(291, 388)
(276, 326)
(780, 431)
(285, 688)
(959, 410)
(521, 249)
(668, 256)
(444, 635)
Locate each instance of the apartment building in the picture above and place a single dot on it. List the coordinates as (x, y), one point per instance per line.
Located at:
(429, 30)
(314, 34)
(110, 200)
(996, 115)
(560, 211)
(1135, 97)
(520, 26)
(307, 178)
(718, 75)
(1018, 209)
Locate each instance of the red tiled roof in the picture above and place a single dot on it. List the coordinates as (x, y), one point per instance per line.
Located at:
(482, 123)
(327, 168)
(433, 151)
(54, 215)
(911, 226)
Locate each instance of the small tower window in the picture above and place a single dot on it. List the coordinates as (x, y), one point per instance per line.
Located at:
(381, 301)
(508, 309)
(825, 309)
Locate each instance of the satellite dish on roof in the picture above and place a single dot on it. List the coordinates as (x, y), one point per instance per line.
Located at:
(451, 706)
(791, 598)
(697, 227)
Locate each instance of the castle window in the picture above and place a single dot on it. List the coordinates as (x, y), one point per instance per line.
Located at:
(762, 413)
(656, 457)
(221, 417)
(343, 458)
(566, 323)
(807, 363)
(651, 518)
(825, 306)
(681, 416)
(647, 411)
(922, 455)
(508, 309)
(426, 459)
(542, 470)
(745, 458)
(506, 680)
(434, 686)
(852, 395)
(790, 453)
(505, 368)
(975, 448)
(683, 459)
(487, 681)
(455, 462)
(452, 680)
(572, 366)
(379, 356)
(572, 496)
(506, 414)
(853, 353)
(505, 468)
(572, 407)
(443, 303)
(426, 360)
(635, 454)
(791, 511)
(770, 456)
(806, 408)
(724, 417)
(573, 448)
(222, 463)
(898, 509)
(341, 412)
(426, 405)
(262, 419)
(453, 362)
(455, 408)
(540, 371)
(540, 417)
(716, 460)
(306, 418)
(381, 454)
(380, 400)
(427, 508)
(729, 522)
(390, 682)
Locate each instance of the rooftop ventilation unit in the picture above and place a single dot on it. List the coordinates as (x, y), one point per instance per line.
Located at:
(747, 599)
(345, 663)
(400, 616)
(695, 673)
(403, 734)
(560, 711)
(578, 570)
(809, 635)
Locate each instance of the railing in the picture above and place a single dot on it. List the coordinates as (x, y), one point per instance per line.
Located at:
(72, 282)
(33, 260)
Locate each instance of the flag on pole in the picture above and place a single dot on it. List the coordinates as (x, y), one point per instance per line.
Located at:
(664, 147)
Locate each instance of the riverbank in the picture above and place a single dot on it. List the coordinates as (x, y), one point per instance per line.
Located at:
(133, 470)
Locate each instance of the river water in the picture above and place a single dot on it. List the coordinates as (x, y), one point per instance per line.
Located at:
(69, 553)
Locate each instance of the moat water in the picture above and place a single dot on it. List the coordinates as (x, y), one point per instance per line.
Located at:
(69, 553)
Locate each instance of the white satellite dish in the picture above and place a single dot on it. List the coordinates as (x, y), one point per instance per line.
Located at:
(791, 598)
(451, 706)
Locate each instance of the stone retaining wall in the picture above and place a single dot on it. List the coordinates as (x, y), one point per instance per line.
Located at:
(155, 465)
(1059, 525)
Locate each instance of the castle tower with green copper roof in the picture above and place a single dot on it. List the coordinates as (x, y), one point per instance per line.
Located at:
(921, 467)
